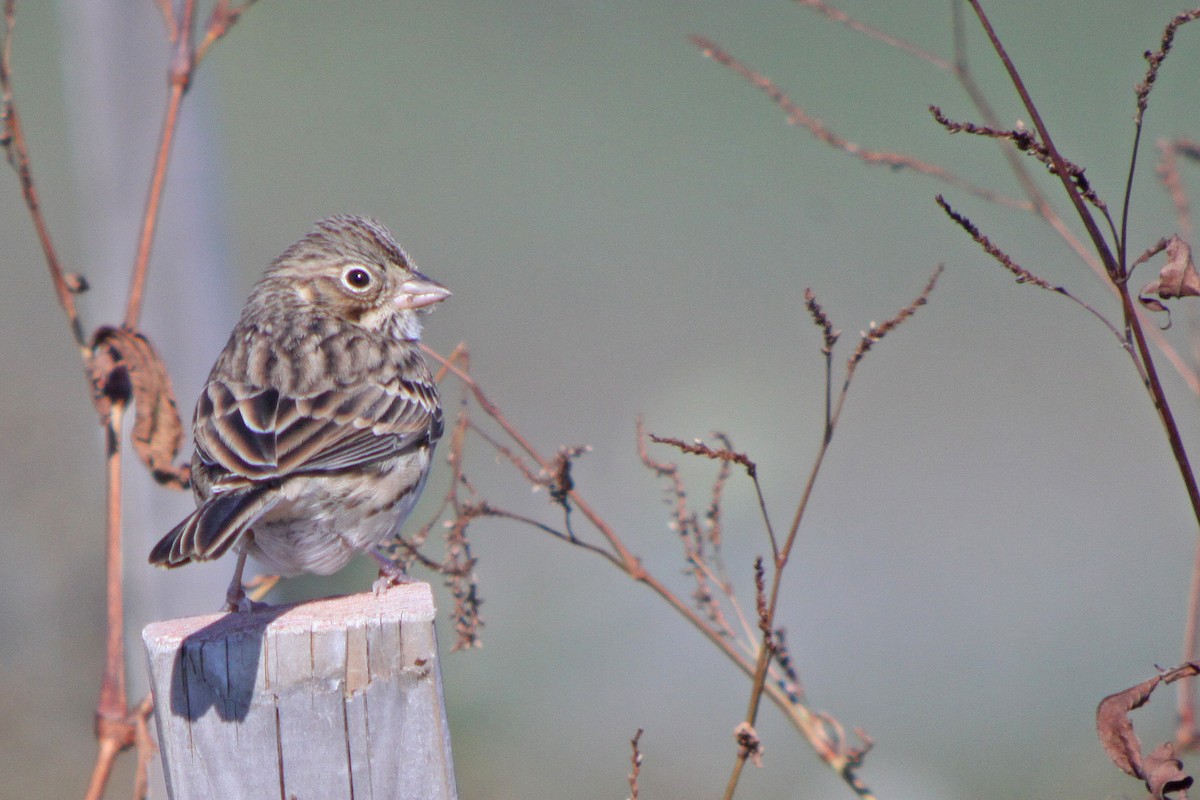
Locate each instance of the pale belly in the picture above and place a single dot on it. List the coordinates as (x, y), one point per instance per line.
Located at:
(320, 523)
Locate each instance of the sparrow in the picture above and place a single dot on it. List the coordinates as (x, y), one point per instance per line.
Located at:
(316, 428)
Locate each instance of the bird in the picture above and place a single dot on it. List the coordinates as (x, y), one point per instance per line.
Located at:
(315, 430)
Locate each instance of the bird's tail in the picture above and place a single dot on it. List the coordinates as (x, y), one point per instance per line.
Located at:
(214, 527)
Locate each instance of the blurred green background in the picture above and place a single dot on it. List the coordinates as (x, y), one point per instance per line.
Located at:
(998, 540)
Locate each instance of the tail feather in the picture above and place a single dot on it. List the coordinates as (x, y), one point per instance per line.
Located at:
(209, 531)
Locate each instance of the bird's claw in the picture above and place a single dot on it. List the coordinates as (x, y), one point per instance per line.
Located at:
(390, 574)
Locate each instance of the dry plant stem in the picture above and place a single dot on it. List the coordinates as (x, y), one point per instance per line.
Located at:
(146, 748)
(635, 760)
(106, 758)
(219, 22)
(12, 137)
(1041, 205)
(1187, 732)
(850, 22)
(1172, 181)
(796, 115)
(759, 675)
(112, 709)
(769, 605)
(1060, 165)
(1028, 278)
(1037, 202)
(184, 60)
(180, 75)
(811, 726)
(116, 727)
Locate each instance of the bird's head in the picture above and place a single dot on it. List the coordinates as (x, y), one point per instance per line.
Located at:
(351, 267)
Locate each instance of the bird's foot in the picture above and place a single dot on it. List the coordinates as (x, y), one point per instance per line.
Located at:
(238, 602)
(243, 605)
(391, 573)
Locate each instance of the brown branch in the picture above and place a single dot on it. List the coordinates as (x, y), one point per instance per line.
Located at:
(1168, 173)
(726, 456)
(1155, 58)
(850, 22)
(1041, 205)
(815, 728)
(12, 139)
(1026, 142)
(877, 331)
(798, 116)
(758, 684)
(1061, 170)
(1037, 201)
(1025, 276)
(185, 57)
(180, 76)
(123, 368)
(144, 743)
(223, 18)
(635, 761)
(830, 752)
(699, 448)
(1117, 271)
(113, 729)
(687, 525)
(812, 726)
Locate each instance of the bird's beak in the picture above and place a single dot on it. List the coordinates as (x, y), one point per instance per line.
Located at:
(419, 292)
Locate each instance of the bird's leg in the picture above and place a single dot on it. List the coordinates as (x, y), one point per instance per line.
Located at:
(391, 573)
(235, 595)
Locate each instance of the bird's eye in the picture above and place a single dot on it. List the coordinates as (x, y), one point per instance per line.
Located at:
(356, 278)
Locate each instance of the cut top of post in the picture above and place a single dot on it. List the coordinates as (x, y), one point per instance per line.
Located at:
(325, 699)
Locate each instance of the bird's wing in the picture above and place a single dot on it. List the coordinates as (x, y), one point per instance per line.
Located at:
(255, 433)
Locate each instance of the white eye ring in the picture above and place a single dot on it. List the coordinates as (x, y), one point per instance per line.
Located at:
(357, 278)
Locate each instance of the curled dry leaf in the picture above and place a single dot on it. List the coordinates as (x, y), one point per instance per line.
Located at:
(1177, 279)
(1164, 772)
(1161, 771)
(1115, 729)
(124, 367)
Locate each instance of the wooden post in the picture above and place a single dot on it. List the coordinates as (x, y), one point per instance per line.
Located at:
(336, 698)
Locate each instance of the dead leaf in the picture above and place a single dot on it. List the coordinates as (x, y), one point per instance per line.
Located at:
(1115, 729)
(1161, 771)
(1177, 279)
(1164, 772)
(124, 367)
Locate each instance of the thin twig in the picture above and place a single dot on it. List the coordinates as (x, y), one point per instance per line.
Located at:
(167, 9)
(1117, 270)
(184, 59)
(843, 18)
(1061, 170)
(811, 725)
(12, 139)
(223, 18)
(112, 710)
(1025, 276)
(798, 116)
(1026, 142)
(635, 760)
(180, 76)
(1168, 173)
(1041, 205)
(758, 682)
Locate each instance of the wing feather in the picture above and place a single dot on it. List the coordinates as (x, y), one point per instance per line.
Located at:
(259, 433)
